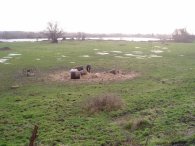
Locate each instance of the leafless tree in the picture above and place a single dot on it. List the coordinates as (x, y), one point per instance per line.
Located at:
(81, 36)
(181, 35)
(54, 32)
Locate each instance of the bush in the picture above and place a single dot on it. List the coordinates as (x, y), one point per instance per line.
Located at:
(108, 102)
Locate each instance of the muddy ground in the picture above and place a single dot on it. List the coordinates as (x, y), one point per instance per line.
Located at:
(64, 76)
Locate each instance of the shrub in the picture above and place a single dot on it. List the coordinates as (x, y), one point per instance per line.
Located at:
(108, 102)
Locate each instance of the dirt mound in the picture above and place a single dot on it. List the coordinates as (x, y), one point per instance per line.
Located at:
(5, 49)
(64, 76)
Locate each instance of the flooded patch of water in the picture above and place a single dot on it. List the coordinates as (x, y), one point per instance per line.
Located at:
(72, 62)
(102, 53)
(131, 55)
(121, 57)
(116, 51)
(14, 54)
(10, 56)
(3, 60)
(137, 47)
(181, 55)
(95, 49)
(38, 59)
(85, 56)
(64, 56)
(7, 57)
(157, 51)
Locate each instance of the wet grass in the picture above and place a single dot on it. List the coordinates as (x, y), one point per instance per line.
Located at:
(159, 104)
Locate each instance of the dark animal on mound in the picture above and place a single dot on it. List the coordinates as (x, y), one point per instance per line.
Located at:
(79, 68)
(88, 68)
(29, 72)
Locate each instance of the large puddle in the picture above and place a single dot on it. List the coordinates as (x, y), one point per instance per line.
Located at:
(131, 55)
(14, 54)
(5, 59)
(121, 57)
(157, 51)
(116, 51)
(85, 56)
(137, 53)
(102, 53)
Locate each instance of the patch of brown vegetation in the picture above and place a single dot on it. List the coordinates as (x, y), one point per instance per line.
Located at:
(137, 124)
(108, 102)
(5, 49)
(64, 76)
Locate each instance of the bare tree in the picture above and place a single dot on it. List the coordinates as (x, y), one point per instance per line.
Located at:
(181, 35)
(54, 32)
(81, 36)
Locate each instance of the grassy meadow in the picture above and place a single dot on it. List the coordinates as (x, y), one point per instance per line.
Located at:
(159, 104)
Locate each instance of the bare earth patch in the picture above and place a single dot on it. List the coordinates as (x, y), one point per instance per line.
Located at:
(64, 76)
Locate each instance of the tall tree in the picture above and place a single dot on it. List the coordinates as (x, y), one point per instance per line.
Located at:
(181, 35)
(54, 32)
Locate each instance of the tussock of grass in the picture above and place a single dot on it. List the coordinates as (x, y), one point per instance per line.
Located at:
(139, 123)
(107, 102)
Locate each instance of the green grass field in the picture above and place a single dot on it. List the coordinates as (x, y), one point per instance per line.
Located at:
(159, 104)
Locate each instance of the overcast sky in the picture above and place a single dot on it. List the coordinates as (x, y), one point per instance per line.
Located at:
(99, 16)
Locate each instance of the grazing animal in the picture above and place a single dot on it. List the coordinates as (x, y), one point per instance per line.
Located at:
(88, 68)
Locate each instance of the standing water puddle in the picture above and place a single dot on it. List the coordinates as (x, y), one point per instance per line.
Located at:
(116, 51)
(85, 56)
(3, 60)
(102, 53)
(131, 55)
(157, 51)
(14, 54)
(6, 58)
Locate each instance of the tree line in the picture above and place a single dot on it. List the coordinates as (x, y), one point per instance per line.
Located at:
(53, 32)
